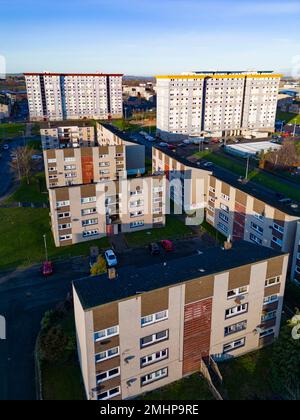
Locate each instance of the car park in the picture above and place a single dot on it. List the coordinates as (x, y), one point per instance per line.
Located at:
(110, 258)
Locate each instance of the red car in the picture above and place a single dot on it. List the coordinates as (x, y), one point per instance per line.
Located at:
(167, 245)
(171, 147)
(47, 268)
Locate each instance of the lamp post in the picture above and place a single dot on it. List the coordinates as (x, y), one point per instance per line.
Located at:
(46, 250)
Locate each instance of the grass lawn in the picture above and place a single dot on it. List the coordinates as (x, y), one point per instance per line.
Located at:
(213, 232)
(174, 229)
(35, 192)
(62, 380)
(288, 117)
(246, 378)
(264, 179)
(8, 131)
(21, 232)
(192, 388)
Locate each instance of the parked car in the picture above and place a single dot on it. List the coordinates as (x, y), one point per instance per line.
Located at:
(167, 245)
(208, 164)
(36, 157)
(162, 144)
(110, 258)
(154, 248)
(171, 147)
(47, 268)
(5, 147)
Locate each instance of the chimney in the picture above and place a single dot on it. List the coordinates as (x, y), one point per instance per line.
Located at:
(228, 244)
(112, 273)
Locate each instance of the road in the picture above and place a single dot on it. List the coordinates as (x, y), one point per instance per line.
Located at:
(24, 298)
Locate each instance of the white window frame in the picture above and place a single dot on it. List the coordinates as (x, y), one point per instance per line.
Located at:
(107, 376)
(235, 328)
(255, 239)
(277, 241)
(64, 203)
(154, 339)
(65, 237)
(86, 200)
(106, 353)
(257, 228)
(154, 318)
(234, 311)
(106, 333)
(154, 357)
(224, 207)
(225, 197)
(108, 394)
(238, 292)
(269, 316)
(234, 345)
(278, 228)
(154, 376)
(63, 215)
(276, 279)
(268, 300)
(266, 333)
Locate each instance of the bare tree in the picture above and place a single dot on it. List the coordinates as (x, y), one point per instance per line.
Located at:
(23, 162)
(286, 157)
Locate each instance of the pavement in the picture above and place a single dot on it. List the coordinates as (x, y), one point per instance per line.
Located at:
(25, 296)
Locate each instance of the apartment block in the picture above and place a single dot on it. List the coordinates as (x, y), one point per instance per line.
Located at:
(216, 104)
(5, 107)
(67, 135)
(55, 97)
(83, 212)
(148, 326)
(237, 210)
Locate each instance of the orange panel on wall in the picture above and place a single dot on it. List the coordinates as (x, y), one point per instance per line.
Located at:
(87, 169)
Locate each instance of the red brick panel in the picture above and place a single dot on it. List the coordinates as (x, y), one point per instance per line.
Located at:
(239, 222)
(197, 332)
(87, 170)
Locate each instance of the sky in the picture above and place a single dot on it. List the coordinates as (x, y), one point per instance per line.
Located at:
(149, 37)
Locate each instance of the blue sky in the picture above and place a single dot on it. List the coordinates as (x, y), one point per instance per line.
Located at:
(146, 37)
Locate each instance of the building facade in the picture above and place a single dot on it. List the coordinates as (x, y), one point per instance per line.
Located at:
(5, 107)
(64, 136)
(163, 322)
(216, 104)
(55, 97)
(235, 210)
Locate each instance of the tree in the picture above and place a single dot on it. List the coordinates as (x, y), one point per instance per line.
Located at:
(23, 162)
(55, 345)
(99, 267)
(285, 364)
(286, 157)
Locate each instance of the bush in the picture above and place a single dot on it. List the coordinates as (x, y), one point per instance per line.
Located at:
(99, 267)
(55, 345)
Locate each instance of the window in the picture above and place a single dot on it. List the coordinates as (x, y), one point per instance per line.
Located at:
(266, 333)
(88, 222)
(51, 160)
(151, 319)
(270, 299)
(278, 228)
(259, 216)
(154, 357)
(223, 227)
(154, 338)
(136, 224)
(63, 215)
(109, 374)
(108, 354)
(225, 197)
(69, 159)
(155, 376)
(109, 394)
(224, 217)
(277, 241)
(257, 228)
(88, 200)
(65, 237)
(234, 345)
(64, 226)
(85, 212)
(212, 189)
(269, 316)
(255, 239)
(236, 310)
(232, 329)
(272, 281)
(108, 332)
(62, 203)
(70, 167)
(225, 208)
(236, 292)
(88, 233)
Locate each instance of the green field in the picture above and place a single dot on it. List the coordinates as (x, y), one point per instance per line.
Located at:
(21, 232)
(268, 181)
(9, 131)
(35, 192)
(288, 117)
(191, 388)
(174, 229)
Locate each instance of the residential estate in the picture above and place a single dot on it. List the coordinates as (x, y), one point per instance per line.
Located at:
(236, 209)
(216, 104)
(55, 96)
(139, 329)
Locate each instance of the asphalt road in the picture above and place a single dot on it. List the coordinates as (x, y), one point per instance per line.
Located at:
(24, 298)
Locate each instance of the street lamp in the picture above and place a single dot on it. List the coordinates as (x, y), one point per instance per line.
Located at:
(46, 250)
